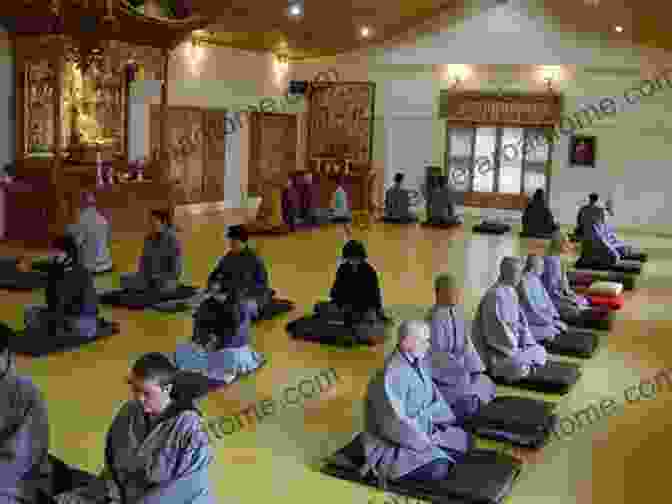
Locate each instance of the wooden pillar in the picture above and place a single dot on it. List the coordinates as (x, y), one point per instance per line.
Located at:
(164, 159)
(62, 203)
(19, 99)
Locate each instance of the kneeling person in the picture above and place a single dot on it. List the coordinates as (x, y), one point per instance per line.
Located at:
(160, 265)
(456, 367)
(441, 209)
(410, 432)
(398, 203)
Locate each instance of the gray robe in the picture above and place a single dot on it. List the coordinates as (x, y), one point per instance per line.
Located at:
(92, 232)
(502, 337)
(24, 441)
(402, 410)
(166, 463)
(160, 263)
(441, 207)
(588, 215)
(397, 203)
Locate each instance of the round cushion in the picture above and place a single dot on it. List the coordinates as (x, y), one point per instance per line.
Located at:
(605, 289)
(613, 303)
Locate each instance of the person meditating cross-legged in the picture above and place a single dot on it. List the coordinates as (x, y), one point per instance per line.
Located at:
(291, 204)
(398, 203)
(441, 209)
(456, 367)
(221, 347)
(72, 302)
(500, 332)
(537, 218)
(24, 433)
(160, 265)
(588, 214)
(310, 201)
(356, 291)
(410, 432)
(156, 449)
(241, 269)
(92, 231)
(596, 248)
(340, 208)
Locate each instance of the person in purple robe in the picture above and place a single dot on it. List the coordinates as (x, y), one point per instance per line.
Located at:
(596, 248)
(410, 431)
(24, 433)
(157, 450)
(291, 204)
(542, 317)
(221, 347)
(500, 332)
(457, 369)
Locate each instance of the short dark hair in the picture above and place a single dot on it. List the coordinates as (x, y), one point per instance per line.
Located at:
(161, 215)
(354, 249)
(442, 181)
(399, 178)
(155, 366)
(238, 233)
(67, 243)
(6, 333)
(593, 197)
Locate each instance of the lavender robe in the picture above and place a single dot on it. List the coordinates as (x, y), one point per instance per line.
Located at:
(402, 411)
(502, 337)
(597, 249)
(93, 234)
(566, 301)
(542, 317)
(24, 440)
(457, 369)
(166, 463)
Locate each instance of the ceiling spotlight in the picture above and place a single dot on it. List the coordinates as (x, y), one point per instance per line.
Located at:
(295, 9)
(619, 29)
(365, 31)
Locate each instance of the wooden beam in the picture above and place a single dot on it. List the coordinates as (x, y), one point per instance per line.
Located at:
(164, 156)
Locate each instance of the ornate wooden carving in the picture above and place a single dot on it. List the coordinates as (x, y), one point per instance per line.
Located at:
(341, 120)
(273, 148)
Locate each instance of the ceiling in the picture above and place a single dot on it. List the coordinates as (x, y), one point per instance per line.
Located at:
(331, 27)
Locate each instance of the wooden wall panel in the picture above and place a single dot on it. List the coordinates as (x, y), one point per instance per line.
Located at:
(214, 156)
(273, 146)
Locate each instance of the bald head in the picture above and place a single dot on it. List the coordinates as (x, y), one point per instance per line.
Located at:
(414, 337)
(510, 271)
(448, 290)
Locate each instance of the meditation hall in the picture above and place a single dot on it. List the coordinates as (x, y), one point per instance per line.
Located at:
(363, 252)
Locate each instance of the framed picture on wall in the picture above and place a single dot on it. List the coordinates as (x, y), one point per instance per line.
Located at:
(582, 151)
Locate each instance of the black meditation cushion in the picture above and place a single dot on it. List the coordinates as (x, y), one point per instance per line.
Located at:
(65, 478)
(492, 228)
(44, 264)
(587, 277)
(407, 220)
(22, 280)
(332, 331)
(553, 378)
(632, 267)
(537, 236)
(574, 343)
(519, 420)
(449, 223)
(635, 255)
(141, 300)
(276, 307)
(482, 476)
(41, 343)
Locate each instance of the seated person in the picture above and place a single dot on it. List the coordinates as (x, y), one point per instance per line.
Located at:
(340, 208)
(221, 348)
(537, 218)
(500, 332)
(542, 318)
(160, 265)
(621, 247)
(456, 367)
(588, 214)
(596, 248)
(269, 217)
(398, 202)
(410, 432)
(291, 204)
(93, 234)
(24, 433)
(310, 201)
(441, 209)
(241, 269)
(157, 449)
(72, 302)
(566, 301)
(356, 291)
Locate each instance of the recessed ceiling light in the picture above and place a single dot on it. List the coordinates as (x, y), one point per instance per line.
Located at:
(365, 31)
(619, 29)
(295, 9)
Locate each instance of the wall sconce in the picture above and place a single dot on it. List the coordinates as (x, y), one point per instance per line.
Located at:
(456, 74)
(550, 74)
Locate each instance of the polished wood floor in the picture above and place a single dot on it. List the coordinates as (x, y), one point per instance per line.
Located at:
(618, 459)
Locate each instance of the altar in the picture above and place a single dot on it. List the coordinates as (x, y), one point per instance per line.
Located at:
(72, 114)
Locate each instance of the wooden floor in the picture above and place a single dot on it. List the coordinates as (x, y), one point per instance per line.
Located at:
(619, 459)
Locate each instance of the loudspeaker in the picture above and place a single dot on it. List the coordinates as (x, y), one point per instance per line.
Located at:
(297, 88)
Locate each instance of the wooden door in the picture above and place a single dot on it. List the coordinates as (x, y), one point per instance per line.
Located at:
(273, 146)
(214, 155)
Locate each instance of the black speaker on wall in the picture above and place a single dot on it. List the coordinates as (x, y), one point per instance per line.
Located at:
(297, 88)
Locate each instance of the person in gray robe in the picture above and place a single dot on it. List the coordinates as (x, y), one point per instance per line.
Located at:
(398, 202)
(92, 231)
(160, 265)
(588, 214)
(457, 369)
(542, 317)
(410, 431)
(157, 450)
(24, 433)
(596, 248)
(500, 332)
(441, 208)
